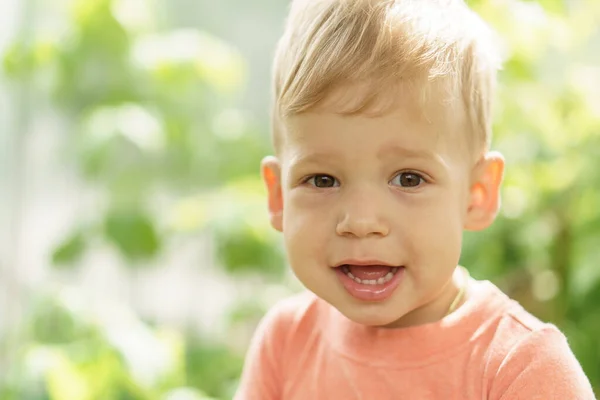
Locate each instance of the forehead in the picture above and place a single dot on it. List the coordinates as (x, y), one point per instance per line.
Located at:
(433, 126)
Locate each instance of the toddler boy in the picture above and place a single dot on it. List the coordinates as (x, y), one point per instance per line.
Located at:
(381, 129)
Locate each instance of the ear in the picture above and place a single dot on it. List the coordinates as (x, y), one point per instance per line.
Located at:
(484, 197)
(271, 174)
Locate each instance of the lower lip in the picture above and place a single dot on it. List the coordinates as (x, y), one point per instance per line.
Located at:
(370, 292)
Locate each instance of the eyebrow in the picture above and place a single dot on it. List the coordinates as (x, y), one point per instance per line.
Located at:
(406, 153)
(312, 158)
(385, 153)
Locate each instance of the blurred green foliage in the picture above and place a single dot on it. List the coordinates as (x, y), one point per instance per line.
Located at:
(74, 354)
(147, 112)
(150, 111)
(543, 249)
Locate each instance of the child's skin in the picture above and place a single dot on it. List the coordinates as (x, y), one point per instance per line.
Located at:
(397, 188)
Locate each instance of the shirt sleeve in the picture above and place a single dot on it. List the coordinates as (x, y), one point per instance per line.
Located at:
(541, 366)
(262, 374)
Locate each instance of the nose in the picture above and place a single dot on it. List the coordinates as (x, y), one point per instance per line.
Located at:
(362, 217)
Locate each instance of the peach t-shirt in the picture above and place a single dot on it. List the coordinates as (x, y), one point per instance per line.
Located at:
(490, 348)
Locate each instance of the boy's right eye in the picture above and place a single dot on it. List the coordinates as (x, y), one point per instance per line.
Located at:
(323, 181)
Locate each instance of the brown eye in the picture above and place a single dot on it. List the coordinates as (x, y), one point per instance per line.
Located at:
(408, 180)
(323, 181)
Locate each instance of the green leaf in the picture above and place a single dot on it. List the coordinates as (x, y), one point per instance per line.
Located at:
(70, 250)
(243, 250)
(52, 320)
(133, 233)
(212, 367)
(17, 61)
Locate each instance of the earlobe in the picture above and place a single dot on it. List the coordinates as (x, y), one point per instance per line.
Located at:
(484, 201)
(271, 174)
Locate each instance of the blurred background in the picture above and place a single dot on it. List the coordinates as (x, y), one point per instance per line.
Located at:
(135, 253)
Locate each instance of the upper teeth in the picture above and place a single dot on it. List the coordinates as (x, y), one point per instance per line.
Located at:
(379, 281)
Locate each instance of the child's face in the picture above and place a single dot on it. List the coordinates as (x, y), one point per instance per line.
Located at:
(394, 190)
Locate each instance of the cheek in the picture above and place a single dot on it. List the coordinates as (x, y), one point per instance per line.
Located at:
(306, 239)
(435, 227)
(306, 225)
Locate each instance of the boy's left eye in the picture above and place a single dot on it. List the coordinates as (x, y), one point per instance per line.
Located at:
(408, 180)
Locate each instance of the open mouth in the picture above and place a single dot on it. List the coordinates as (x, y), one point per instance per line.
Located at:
(370, 282)
(369, 274)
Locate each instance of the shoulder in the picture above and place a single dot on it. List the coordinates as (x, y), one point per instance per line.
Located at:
(520, 337)
(530, 359)
(267, 362)
(290, 318)
(292, 311)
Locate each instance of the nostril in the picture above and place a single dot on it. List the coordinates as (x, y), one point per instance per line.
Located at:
(362, 226)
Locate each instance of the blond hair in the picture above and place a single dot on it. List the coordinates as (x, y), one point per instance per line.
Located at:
(384, 46)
